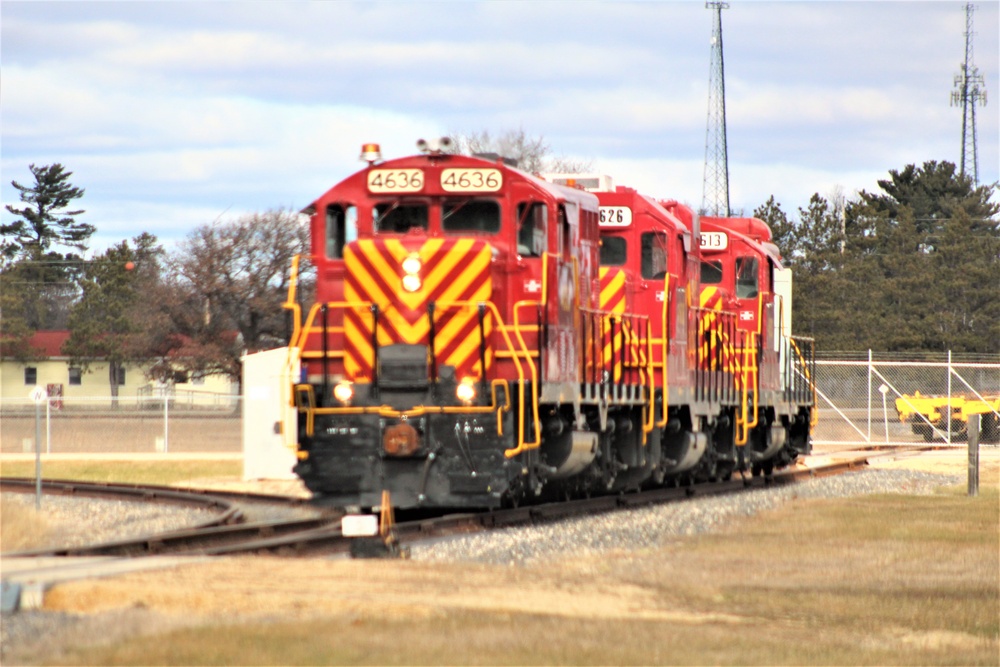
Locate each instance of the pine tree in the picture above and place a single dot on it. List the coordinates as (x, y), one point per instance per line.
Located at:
(106, 324)
(936, 239)
(38, 283)
(784, 233)
(43, 222)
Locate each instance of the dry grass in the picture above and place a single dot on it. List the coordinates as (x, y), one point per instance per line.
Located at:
(873, 580)
(128, 472)
(22, 527)
(860, 581)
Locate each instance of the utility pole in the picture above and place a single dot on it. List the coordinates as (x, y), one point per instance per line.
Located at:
(715, 197)
(970, 91)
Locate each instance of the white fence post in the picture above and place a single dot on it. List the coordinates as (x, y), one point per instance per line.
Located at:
(947, 421)
(48, 426)
(166, 420)
(870, 395)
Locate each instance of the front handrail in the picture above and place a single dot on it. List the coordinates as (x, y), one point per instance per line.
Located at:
(516, 354)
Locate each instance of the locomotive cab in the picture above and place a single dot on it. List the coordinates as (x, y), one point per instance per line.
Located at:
(742, 268)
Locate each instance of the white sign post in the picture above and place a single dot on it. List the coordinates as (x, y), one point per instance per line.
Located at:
(38, 394)
(884, 389)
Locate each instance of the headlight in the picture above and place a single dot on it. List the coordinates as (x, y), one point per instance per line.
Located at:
(412, 265)
(411, 283)
(466, 391)
(411, 268)
(344, 392)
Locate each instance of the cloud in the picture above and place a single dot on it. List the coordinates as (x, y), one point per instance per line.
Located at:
(169, 113)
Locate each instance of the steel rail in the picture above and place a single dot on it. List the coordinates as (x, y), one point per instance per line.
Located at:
(306, 537)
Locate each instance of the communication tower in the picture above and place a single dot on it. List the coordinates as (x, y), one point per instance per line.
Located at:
(970, 91)
(715, 197)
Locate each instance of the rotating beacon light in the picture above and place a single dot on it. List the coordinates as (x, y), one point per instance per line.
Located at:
(371, 153)
(411, 273)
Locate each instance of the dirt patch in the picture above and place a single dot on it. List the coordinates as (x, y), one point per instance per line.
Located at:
(262, 588)
(953, 461)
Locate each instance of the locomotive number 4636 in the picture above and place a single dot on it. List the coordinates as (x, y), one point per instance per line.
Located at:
(395, 180)
(471, 180)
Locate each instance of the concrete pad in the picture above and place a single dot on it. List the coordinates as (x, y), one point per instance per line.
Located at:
(25, 580)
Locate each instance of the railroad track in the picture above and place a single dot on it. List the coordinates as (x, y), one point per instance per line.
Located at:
(229, 534)
(226, 529)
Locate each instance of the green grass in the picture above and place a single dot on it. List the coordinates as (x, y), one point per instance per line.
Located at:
(128, 472)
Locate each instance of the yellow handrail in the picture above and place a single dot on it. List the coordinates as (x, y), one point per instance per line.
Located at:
(744, 425)
(814, 413)
(386, 411)
(665, 335)
(290, 302)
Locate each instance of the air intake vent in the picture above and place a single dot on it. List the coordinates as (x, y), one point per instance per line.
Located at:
(403, 366)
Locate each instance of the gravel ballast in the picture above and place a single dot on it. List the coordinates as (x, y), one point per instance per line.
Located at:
(78, 520)
(648, 527)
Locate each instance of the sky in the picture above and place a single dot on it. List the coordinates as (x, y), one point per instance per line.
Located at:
(177, 114)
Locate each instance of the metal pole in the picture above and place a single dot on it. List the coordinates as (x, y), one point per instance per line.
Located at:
(166, 420)
(948, 417)
(870, 395)
(973, 430)
(884, 389)
(885, 418)
(38, 455)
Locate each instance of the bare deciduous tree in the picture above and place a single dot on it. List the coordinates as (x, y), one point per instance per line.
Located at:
(228, 281)
(533, 154)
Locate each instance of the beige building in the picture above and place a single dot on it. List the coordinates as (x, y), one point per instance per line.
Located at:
(52, 370)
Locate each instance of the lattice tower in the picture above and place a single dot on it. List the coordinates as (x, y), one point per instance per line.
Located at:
(969, 92)
(715, 197)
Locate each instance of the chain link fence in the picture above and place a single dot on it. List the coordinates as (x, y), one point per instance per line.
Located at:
(862, 399)
(136, 424)
(885, 399)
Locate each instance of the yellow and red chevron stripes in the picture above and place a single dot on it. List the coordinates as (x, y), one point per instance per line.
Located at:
(713, 339)
(612, 290)
(711, 298)
(612, 300)
(451, 271)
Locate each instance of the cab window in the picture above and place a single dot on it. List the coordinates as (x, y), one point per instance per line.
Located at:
(532, 221)
(565, 234)
(711, 273)
(654, 255)
(613, 251)
(470, 215)
(341, 228)
(399, 218)
(746, 278)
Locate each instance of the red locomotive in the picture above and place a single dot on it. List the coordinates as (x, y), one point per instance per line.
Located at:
(482, 337)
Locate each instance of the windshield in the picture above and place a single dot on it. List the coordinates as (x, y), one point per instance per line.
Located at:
(613, 251)
(746, 277)
(399, 218)
(470, 215)
(711, 273)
